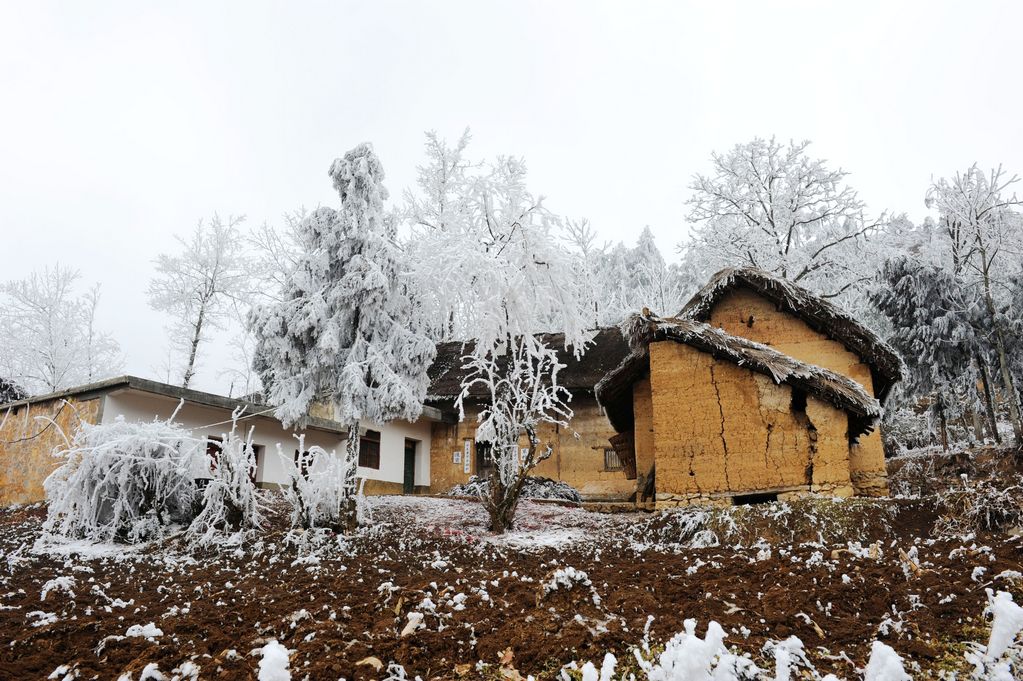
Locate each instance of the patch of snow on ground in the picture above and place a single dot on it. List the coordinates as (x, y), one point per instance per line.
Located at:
(274, 663)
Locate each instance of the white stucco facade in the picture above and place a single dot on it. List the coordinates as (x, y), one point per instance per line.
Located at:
(268, 433)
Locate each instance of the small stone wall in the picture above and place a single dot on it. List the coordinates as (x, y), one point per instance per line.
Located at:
(28, 439)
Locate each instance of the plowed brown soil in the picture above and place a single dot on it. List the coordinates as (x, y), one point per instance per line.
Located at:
(349, 601)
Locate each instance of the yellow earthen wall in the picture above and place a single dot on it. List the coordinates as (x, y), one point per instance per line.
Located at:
(25, 464)
(787, 333)
(643, 420)
(577, 459)
(722, 429)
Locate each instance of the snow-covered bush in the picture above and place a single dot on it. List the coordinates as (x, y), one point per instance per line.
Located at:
(975, 505)
(534, 487)
(123, 482)
(230, 502)
(322, 488)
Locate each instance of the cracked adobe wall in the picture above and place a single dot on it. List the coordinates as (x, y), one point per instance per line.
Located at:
(789, 334)
(26, 463)
(578, 461)
(723, 430)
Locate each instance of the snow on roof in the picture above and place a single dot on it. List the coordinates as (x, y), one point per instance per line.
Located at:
(820, 314)
(642, 329)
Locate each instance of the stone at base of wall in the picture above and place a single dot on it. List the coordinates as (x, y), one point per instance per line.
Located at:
(870, 483)
(723, 499)
(372, 487)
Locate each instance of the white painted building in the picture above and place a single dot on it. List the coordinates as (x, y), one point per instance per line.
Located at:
(394, 457)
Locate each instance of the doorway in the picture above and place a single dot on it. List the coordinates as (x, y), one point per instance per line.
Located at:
(409, 479)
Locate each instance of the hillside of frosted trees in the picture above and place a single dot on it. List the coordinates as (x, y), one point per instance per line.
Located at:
(947, 291)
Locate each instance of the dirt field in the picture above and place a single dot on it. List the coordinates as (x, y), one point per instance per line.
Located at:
(839, 575)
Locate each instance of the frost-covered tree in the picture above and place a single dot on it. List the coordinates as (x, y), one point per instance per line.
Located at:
(770, 205)
(985, 239)
(196, 285)
(934, 322)
(619, 280)
(495, 270)
(320, 486)
(122, 481)
(11, 391)
(49, 335)
(230, 502)
(344, 331)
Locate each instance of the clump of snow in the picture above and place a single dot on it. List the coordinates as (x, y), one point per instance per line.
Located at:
(884, 665)
(568, 577)
(65, 584)
(1007, 622)
(687, 657)
(145, 630)
(273, 666)
(151, 672)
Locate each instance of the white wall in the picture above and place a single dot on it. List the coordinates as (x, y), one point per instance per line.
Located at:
(140, 406)
(392, 451)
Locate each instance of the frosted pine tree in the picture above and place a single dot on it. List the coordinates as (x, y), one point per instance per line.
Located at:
(934, 322)
(343, 331)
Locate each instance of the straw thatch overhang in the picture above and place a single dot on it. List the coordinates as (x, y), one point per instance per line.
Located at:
(614, 391)
(824, 317)
(606, 351)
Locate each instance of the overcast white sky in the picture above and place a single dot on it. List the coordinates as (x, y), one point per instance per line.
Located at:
(124, 123)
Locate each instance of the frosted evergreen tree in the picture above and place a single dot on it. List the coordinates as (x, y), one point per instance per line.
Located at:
(984, 235)
(934, 321)
(343, 331)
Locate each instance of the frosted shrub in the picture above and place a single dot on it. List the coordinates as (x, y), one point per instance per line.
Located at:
(322, 488)
(123, 482)
(975, 505)
(230, 502)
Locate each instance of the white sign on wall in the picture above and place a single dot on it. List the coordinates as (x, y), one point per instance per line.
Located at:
(467, 456)
(456, 457)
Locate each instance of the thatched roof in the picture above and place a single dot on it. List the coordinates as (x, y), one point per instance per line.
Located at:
(614, 391)
(579, 375)
(821, 315)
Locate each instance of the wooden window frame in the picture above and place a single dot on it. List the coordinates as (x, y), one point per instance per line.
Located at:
(369, 457)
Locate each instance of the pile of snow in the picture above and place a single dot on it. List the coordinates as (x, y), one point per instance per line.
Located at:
(274, 663)
(146, 631)
(534, 488)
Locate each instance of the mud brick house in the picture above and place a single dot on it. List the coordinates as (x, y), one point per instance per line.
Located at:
(757, 390)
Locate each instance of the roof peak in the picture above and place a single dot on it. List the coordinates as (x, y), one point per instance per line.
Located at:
(817, 312)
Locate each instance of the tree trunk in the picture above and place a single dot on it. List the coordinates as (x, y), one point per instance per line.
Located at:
(190, 367)
(348, 515)
(503, 501)
(989, 401)
(944, 426)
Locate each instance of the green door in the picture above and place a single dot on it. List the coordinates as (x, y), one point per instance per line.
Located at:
(409, 483)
